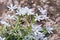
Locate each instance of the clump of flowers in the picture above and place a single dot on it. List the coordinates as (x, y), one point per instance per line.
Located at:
(25, 26)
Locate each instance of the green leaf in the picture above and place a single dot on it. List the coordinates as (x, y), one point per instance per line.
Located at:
(44, 30)
(32, 18)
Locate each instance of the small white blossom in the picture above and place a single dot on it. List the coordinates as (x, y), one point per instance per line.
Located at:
(37, 17)
(12, 7)
(28, 37)
(9, 17)
(2, 38)
(43, 11)
(29, 11)
(4, 23)
(40, 17)
(25, 10)
(45, 38)
(49, 29)
(36, 31)
(36, 28)
(39, 36)
(21, 11)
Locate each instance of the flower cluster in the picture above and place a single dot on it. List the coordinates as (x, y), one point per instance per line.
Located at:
(27, 17)
(23, 11)
(37, 33)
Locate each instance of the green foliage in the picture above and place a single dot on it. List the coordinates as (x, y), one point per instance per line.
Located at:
(44, 30)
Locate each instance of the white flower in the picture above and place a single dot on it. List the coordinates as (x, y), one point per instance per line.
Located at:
(49, 29)
(28, 37)
(29, 11)
(40, 17)
(21, 11)
(36, 31)
(39, 35)
(9, 17)
(4, 23)
(25, 10)
(36, 28)
(45, 38)
(37, 17)
(43, 11)
(2, 38)
(43, 17)
(12, 7)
